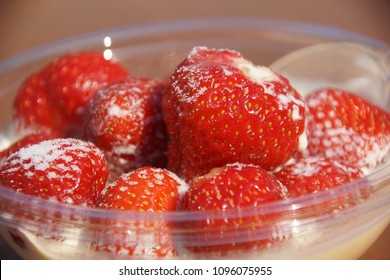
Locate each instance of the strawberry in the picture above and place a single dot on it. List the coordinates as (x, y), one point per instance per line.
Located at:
(29, 139)
(309, 174)
(233, 187)
(67, 170)
(74, 78)
(56, 96)
(125, 121)
(219, 108)
(31, 106)
(344, 126)
(146, 189)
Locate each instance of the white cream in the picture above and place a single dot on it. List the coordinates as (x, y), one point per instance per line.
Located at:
(257, 74)
(302, 142)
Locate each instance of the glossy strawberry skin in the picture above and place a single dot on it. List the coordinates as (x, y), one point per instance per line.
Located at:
(125, 121)
(31, 107)
(55, 96)
(74, 78)
(226, 190)
(70, 171)
(146, 189)
(306, 175)
(217, 113)
(343, 126)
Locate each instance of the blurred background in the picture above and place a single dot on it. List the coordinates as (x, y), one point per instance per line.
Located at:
(29, 23)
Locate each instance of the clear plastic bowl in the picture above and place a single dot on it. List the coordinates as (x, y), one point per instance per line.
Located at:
(37, 228)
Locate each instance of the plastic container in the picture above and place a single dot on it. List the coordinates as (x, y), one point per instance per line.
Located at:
(37, 228)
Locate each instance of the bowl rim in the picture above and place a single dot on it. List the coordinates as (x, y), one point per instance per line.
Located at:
(37, 205)
(151, 28)
(379, 176)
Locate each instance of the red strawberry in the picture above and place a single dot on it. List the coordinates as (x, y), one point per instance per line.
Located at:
(74, 78)
(67, 170)
(232, 189)
(56, 96)
(304, 175)
(146, 189)
(31, 107)
(29, 139)
(125, 121)
(219, 108)
(343, 126)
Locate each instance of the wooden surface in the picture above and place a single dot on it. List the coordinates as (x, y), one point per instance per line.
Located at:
(29, 23)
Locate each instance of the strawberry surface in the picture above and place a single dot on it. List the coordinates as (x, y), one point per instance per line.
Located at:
(70, 171)
(233, 189)
(146, 189)
(219, 108)
(31, 107)
(74, 78)
(346, 127)
(56, 96)
(310, 174)
(125, 121)
(33, 137)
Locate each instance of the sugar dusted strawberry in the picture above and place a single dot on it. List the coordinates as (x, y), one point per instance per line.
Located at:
(220, 108)
(67, 170)
(232, 189)
(125, 121)
(146, 189)
(306, 174)
(32, 137)
(343, 126)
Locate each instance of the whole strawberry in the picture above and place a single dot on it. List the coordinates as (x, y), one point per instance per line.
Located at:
(219, 108)
(56, 96)
(343, 126)
(125, 121)
(70, 171)
(224, 195)
(146, 189)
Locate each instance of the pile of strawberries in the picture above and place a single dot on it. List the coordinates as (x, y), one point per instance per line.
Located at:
(219, 134)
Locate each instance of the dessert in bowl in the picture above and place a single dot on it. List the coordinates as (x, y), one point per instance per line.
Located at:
(339, 223)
